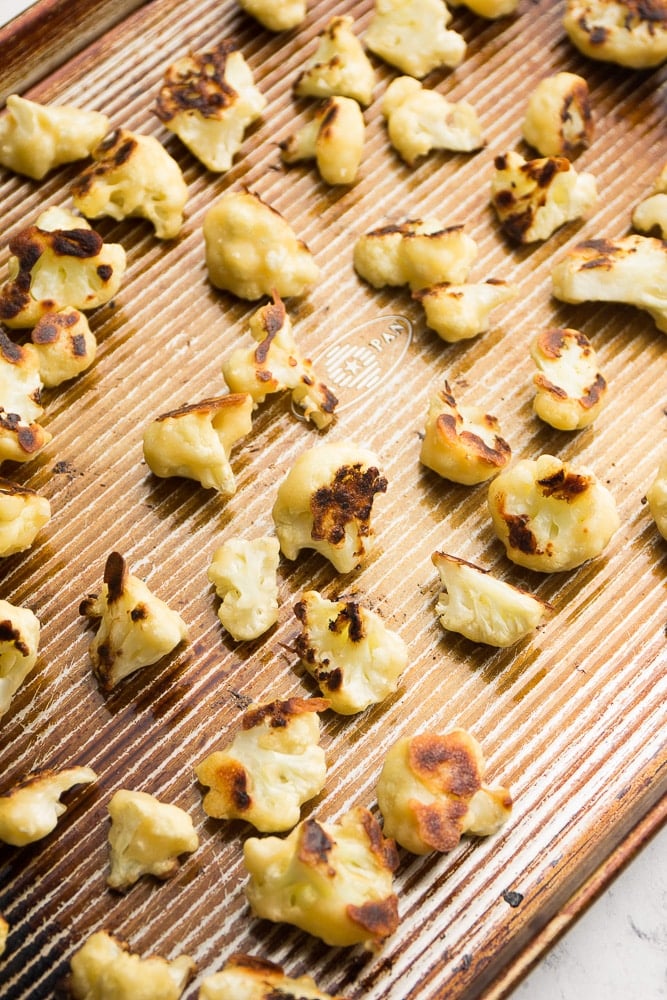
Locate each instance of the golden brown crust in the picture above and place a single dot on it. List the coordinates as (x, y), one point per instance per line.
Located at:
(349, 498)
(197, 83)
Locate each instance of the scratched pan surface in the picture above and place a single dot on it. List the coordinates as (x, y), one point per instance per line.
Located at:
(571, 718)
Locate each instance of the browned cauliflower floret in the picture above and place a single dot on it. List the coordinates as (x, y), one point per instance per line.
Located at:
(208, 100)
(558, 120)
(431, 791)
(339, 67)
(650, 215)
(333, 880)
(570, 390)
(420, 120)
(4, 933)
(22, 514)
(244, 573)
(334, 138)
(418, 253)
(459, 312)
(21, 437)
(135, 628)
(103, 968)
(413, 36)
(245, 977)
(271, 767)
(30, 810)
(632, 34)
(64, 344)
(19, 640)
(276, 15)
(488, 8)
(656, 497)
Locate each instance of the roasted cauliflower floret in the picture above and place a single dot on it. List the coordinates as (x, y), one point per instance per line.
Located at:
(533, 198)
(570, 389)
(146, 837)
(19, 640)
(276, 364)
(431, 792)
(415, 253)
(462, 443)
(334, 138)
(550, 516)
(558, 120)
(135, 628)
(420, 120)
(632, 34)
(656, 497)
(35, 138)
(208, 100)
(271, 767)
(21, 437)
(325, 503)
(30, 810)
(491, 9)
(339, 67)
(64, 344)
(23, 513)
(245, 977)
(252, 251)
(413, 36)
(276, 15)
(460, 312)
(196, 440)
(333, 880)
(650, 215)
(4, 934)
(133, 175)
(244, 574)
(103, 968)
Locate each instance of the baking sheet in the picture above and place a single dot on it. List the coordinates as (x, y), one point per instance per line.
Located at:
(572, 719)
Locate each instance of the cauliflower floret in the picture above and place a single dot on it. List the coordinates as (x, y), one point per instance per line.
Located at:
(208, 101)
(632, 34)
(651, 214)
(276, 15)
(245, 977)
(22, 515)
(550, 516)
(35, 138)
(334, 138)
(4, 933)
(419, 120)
(339, 67)
(325, 503)
(488, 8)
(21, 437)
(460, 312)
(533, 198)
(146, 837)
(333, 880)
(64, 344)
(276, 364)
(135, 628)
(570, 388)
(195, 441)
(104, 969)
(19, 639)
(133, 175)
(431, 792)
(30, 810)
(252, 251)
(413, 35)
(418, 253)
(632, 269)
(656, 496)
(272, 766)
(558, 120)
(462, 443)
(244, 574)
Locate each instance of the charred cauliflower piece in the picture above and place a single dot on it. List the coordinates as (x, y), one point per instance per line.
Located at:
(418, 253)
(30, 810)
(413, 36)
(460, 312)
(333, 880)
(334, 138)
(64, 344)
(103, 968)
(632, 34)
(22, 515)
(272, 766)
(558, 120)
(656, 496)
(276, 15)
(35, 138)
(135, 628)
(650, 215)
(550, 516)
(490, 9)
(146, 838)
(245, 977)
(570, 389)
(19, 640)
(534, 198)
(208, 100)
(431, 792)
(21, 437)
(196, 440)
(244, 574)
(420, 120)
(462, 443)
(340, 67)
(325, 503)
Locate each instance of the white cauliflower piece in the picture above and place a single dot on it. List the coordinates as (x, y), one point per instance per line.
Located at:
(209, 100)
(325, 503)
(460, 312)
(21, 437)
(431, 792)
(656, 497)
(533, 198)
(333, 880)
(19, 640)
(334, 138)
(23, 513)
(631, 34)
(339, 67)
(103, 968)
(64, 345)
(276, 364)
(31, 809)
(490, 9)
(558, 119)
(549, 516)
(245, 977)
(135, 628)
(650, 215)
(252, 251)
(413, 36)
(133, 175)
(355, 658)
(570, 389)
(420, 120)
(35, 138)
(276, 15)
(244, 574)
(462, 443)
(196, 440)
(418, 253)
(271, 767)
(632, 269)
(146, 837)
